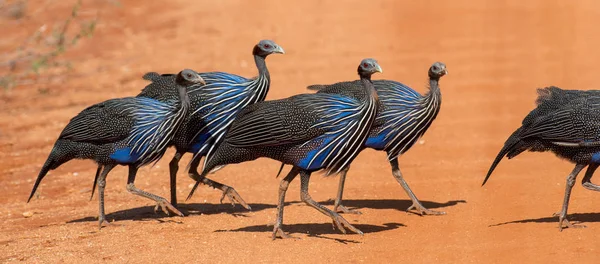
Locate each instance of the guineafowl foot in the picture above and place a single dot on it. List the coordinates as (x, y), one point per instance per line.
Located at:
(342, 224)
(590, 186)
(421, 210)
(278, 232)
(101, 221)
(232, 194)
(563, 222)
(234, 197)
(166, 207)
(338, 221)
(343, 209)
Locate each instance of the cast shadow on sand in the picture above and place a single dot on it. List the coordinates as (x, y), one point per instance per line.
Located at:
(574, 218)
(400, 205)
(146, 213)
(318, 230)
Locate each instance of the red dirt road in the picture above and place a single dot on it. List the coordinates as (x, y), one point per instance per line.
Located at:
(497, 53)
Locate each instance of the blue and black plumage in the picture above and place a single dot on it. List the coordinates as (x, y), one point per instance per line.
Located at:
(309, 131)
(404, 116)
(132, 131)
(213, 108)
(565, 122)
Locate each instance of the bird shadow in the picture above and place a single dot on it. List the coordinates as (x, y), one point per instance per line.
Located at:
(400, 205)
(578, 217)
(317, 230)
(146, 213)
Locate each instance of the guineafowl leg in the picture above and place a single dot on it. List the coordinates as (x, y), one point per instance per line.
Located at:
(160, 202)
(338, 220)
(101, 185)
(588, 176)
(173, 168)
(562, 215)
(228, 191)
(96, 180)
(283, 186)
(340, 193)
(416, 203)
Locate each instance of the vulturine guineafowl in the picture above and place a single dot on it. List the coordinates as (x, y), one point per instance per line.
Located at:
(403, 117)
(132, 131)
(213, 108)
(309, 131)
(565, 122)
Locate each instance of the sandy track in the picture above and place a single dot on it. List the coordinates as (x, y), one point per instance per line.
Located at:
(497, 54)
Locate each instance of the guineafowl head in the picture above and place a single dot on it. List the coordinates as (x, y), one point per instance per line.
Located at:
(189, 77)
(266, 47)
(437, 70)
(367, 67)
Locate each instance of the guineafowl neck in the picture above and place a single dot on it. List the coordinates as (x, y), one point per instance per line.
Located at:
(263, 72)
(434, 96)
(184, 99)
(369, 92)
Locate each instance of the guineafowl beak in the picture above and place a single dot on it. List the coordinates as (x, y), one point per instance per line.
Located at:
(279, 50)
(198, 80)
(445, 71)
(378, 69)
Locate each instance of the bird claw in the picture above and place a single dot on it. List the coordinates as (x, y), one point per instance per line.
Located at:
(234, 197)
(562, 218)
(278, 232)
(101, 221)
(342, 224)
(421, 210)
(166, 207)
(343, 209)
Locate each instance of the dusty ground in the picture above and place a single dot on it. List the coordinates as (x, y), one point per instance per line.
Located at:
(497, 54)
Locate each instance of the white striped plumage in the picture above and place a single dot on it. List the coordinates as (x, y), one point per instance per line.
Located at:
(406, 132)
(226, 97)
(155, 124)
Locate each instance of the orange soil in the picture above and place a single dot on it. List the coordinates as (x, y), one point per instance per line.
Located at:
(497, 53)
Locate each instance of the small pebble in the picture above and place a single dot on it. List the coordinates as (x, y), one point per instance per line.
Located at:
(27, 214)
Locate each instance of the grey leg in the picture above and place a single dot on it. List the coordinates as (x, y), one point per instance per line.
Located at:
(173, 168)
(101, 185)
(98, 170)
(160, 202)
(588, 176)
(228, 191)
(340, 194)
(562, 215)
(339, 221)
(283, 186)
(416, 203)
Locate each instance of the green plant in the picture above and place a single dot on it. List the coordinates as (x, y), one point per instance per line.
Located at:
(43, 49)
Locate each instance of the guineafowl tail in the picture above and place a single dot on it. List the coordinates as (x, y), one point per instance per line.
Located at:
(280, 169)
(55, 159)
(512, 147)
